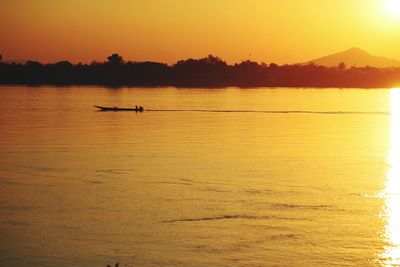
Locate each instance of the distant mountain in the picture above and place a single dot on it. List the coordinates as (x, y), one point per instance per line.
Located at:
(355, 57)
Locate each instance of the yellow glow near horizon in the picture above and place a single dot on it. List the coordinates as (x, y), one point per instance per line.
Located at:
(392, 8)
(392, 189)
(288, 31)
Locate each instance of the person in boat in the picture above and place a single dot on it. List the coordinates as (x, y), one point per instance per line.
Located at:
(140, 108)
(136, 107)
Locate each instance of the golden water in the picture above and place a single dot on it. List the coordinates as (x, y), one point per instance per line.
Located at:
(316, 186)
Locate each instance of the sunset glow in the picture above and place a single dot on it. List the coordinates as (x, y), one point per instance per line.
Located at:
(200, 133)
(392, 7)
(263, 30)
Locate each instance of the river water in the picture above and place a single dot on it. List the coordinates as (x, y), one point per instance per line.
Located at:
(203, 177)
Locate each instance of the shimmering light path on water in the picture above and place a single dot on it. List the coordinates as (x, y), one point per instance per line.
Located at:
(392, 188)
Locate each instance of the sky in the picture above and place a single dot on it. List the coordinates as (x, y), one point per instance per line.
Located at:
(279, 31)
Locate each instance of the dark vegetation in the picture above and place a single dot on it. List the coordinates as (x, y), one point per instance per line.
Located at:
(210, 71)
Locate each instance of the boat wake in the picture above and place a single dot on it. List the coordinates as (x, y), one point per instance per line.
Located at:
(233, 217)
(275, 111)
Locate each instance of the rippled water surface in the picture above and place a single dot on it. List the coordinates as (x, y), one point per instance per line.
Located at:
(203, 177)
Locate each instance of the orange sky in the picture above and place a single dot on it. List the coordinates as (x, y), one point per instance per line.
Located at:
(280, 31)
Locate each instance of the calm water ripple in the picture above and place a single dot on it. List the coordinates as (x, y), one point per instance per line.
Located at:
(206, 177)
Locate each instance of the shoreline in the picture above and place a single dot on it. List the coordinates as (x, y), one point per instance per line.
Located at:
(300, 87)
(208, 72)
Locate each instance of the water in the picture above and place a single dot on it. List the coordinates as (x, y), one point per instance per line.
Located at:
(211, 177)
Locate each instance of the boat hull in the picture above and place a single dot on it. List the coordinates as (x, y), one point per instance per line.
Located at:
(119, 109)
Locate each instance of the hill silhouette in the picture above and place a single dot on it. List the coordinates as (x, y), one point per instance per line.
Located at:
(355, 57)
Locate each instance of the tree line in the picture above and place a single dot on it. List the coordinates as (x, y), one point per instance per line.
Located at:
(210, 71)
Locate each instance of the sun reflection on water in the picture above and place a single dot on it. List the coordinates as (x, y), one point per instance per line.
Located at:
(392, 188)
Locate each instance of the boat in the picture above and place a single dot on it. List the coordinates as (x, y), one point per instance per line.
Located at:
(138, 109)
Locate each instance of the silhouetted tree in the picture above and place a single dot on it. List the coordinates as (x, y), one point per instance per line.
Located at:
(210, 71)
(115, 59)
(33, 64)
(273, 66)
(342, 66)
(64, 64)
